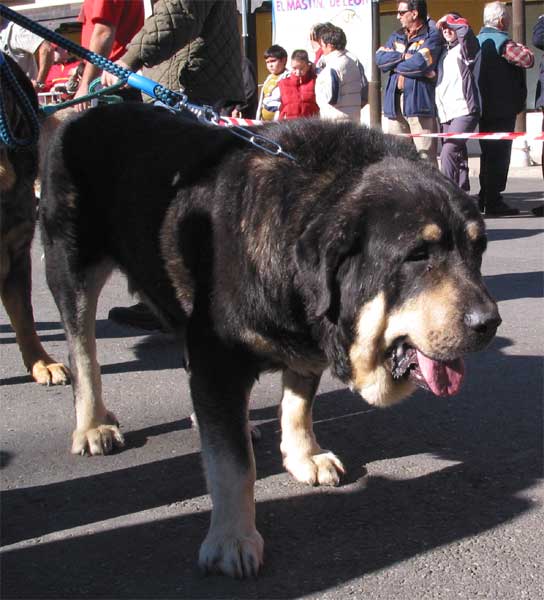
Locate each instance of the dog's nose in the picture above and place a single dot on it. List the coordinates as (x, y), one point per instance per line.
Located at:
(483, 320)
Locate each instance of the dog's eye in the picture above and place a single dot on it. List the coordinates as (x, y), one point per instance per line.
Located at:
(419, 253)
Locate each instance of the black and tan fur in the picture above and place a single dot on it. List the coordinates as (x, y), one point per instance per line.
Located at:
(259, 263)
(18, 171)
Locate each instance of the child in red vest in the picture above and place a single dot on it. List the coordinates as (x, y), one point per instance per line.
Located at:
(296, 92)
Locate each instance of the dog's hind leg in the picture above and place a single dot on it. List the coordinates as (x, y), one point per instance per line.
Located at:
(76, 294)
(302, 455)
(233, 545)
(16, 292)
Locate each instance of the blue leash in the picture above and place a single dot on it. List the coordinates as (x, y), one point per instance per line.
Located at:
(152, 88)
(7, 137)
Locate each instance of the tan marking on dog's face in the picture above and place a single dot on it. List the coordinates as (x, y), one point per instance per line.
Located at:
(370, 376)
(431, 321)
(431, 233)
(474, 230)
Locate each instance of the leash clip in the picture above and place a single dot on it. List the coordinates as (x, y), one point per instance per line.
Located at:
(259, 141)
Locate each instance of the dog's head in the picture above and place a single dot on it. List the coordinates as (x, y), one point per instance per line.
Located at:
(396, 282)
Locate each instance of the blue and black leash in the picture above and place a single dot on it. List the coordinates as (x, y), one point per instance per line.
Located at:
(174, 100)
(8, 138)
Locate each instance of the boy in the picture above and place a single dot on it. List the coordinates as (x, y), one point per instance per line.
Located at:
(276, 59)
(296, 92)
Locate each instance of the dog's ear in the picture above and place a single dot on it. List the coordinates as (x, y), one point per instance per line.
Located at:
(319, 253)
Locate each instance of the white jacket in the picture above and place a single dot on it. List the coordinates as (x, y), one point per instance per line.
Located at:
(338, 87)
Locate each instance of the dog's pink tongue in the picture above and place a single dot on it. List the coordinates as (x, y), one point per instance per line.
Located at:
(443, 378)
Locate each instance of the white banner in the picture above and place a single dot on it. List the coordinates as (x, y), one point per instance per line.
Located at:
(292, 20)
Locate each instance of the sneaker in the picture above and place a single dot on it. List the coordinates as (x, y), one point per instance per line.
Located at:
(499, 208)
(138, 316)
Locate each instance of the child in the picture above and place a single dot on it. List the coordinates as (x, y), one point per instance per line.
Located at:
(276, 59)
(296, 92)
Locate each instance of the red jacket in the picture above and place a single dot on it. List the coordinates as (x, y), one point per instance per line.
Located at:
(298, 96)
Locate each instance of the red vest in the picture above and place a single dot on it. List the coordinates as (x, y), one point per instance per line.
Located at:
(298, 96)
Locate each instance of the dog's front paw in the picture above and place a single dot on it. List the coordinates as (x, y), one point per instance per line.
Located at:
(100, 439)
(236, 555)
(315, 469)
(50, 373)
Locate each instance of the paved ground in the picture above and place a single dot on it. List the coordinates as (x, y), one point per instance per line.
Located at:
(443, 498)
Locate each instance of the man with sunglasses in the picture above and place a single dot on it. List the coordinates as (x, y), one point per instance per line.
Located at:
(410, 57)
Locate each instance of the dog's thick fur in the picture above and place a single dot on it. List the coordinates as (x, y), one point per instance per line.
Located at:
(260, 263)
(18, 171)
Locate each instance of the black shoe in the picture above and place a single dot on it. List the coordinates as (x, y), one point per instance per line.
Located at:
(499, 208)
(538, 211)
(139, 316)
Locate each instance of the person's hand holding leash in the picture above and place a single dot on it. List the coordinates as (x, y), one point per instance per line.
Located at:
(108, 79)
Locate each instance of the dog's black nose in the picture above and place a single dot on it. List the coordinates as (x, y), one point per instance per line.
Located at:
(483, 320)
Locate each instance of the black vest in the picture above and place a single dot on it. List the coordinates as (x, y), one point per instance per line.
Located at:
(502, 85)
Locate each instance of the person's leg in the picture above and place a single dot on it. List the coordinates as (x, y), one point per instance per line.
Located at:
(400, 124)
(426, 146)
(494, 165)
(504, 153)
(448, 155)
(454, 155)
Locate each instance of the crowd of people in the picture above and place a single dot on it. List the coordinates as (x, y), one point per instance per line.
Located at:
(441, 76)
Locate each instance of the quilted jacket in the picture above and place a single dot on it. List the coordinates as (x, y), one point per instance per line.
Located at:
(193, 44)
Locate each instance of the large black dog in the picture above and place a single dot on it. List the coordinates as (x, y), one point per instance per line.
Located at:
(356, 256)
(18, 171)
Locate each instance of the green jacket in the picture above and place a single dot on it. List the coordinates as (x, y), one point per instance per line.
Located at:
(193, 44)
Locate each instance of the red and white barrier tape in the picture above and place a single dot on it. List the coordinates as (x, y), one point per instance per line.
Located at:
(516, 135)
(226, 121)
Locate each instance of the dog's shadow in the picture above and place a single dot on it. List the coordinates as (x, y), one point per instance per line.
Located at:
(152, 351)
(475, 454)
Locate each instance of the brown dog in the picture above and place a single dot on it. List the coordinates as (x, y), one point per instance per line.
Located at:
(18, 171)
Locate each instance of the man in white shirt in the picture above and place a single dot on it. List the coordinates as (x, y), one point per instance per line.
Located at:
(340, 81)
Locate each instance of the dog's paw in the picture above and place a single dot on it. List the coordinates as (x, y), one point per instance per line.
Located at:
(318, 469)
(236, 555)
(50, 373)
(100, 439)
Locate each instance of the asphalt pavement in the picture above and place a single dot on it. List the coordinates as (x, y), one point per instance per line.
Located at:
(443, 497)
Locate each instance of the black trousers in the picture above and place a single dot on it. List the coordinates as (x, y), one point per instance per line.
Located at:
(495, 158)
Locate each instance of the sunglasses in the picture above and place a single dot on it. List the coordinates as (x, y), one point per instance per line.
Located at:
(402, 12)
